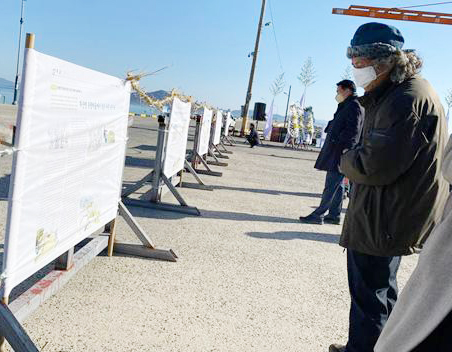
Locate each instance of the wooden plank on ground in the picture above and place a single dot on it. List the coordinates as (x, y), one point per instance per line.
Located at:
(145, 252)
(29, 301)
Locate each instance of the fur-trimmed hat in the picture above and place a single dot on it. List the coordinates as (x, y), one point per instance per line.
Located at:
(375, 40)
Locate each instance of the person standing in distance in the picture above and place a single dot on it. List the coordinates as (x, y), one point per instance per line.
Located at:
(398, 192)
(342, 134)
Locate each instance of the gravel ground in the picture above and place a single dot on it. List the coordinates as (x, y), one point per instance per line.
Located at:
(250, 277)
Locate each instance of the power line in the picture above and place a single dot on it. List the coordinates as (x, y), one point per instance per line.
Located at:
(433, 4)
(274, 35)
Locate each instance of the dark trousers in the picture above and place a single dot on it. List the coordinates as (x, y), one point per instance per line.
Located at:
(439, 340)
(332, 196)
(373, 289)
(252, 141)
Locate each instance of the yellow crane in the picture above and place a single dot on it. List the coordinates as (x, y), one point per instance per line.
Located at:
(401, 14)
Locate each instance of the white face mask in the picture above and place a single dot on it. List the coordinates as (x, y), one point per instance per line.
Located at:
(339, 98)
(364, 76)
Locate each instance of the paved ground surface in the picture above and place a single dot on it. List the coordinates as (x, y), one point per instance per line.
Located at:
(250, 277)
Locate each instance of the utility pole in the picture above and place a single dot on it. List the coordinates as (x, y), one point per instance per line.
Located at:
(16, 84)
(287, 109)
(253, 66)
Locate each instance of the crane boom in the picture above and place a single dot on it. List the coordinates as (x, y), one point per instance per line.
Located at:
(395, 14)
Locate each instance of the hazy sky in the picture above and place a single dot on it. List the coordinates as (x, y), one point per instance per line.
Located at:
(206, 43)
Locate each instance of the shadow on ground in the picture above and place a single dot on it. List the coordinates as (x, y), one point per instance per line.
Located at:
(288, 235)
(269, 191)
(146, 147)
(343, 211)
(281, 146)
(208, 214)
(139, 127)
(288, 157)
(140, 162)
(4, 186)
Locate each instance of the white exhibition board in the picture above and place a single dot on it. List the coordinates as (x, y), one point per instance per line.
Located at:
(217, 128)
(227, 123)
(67, 171)
(176, 145)
(204, 133)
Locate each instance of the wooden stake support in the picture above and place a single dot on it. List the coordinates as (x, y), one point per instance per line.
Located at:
(65, 261)
(30, 41)
(111, 229)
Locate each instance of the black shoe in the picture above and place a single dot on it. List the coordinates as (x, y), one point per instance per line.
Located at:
(311, 219)
(332, 220)
(336, 348)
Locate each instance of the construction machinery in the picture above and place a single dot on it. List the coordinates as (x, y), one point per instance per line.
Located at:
(401, 14)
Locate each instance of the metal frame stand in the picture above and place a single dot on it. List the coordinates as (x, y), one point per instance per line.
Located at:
(197, 159)
(224, 148)
(13, 332)
(191, 166)
(135, 187)
(216, 161)
(228, 140)
(147, 249)
(200, 184)
(219, 152)
(159, 180)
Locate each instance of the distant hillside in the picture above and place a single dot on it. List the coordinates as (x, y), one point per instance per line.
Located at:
(5, 84)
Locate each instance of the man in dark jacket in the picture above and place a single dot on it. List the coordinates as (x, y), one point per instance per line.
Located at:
(398, 191)
(253, 137)
(342, 134)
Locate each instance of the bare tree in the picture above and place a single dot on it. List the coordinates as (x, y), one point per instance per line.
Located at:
(307, 75)
(278, 85)
(347, 73)
(307, 78)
